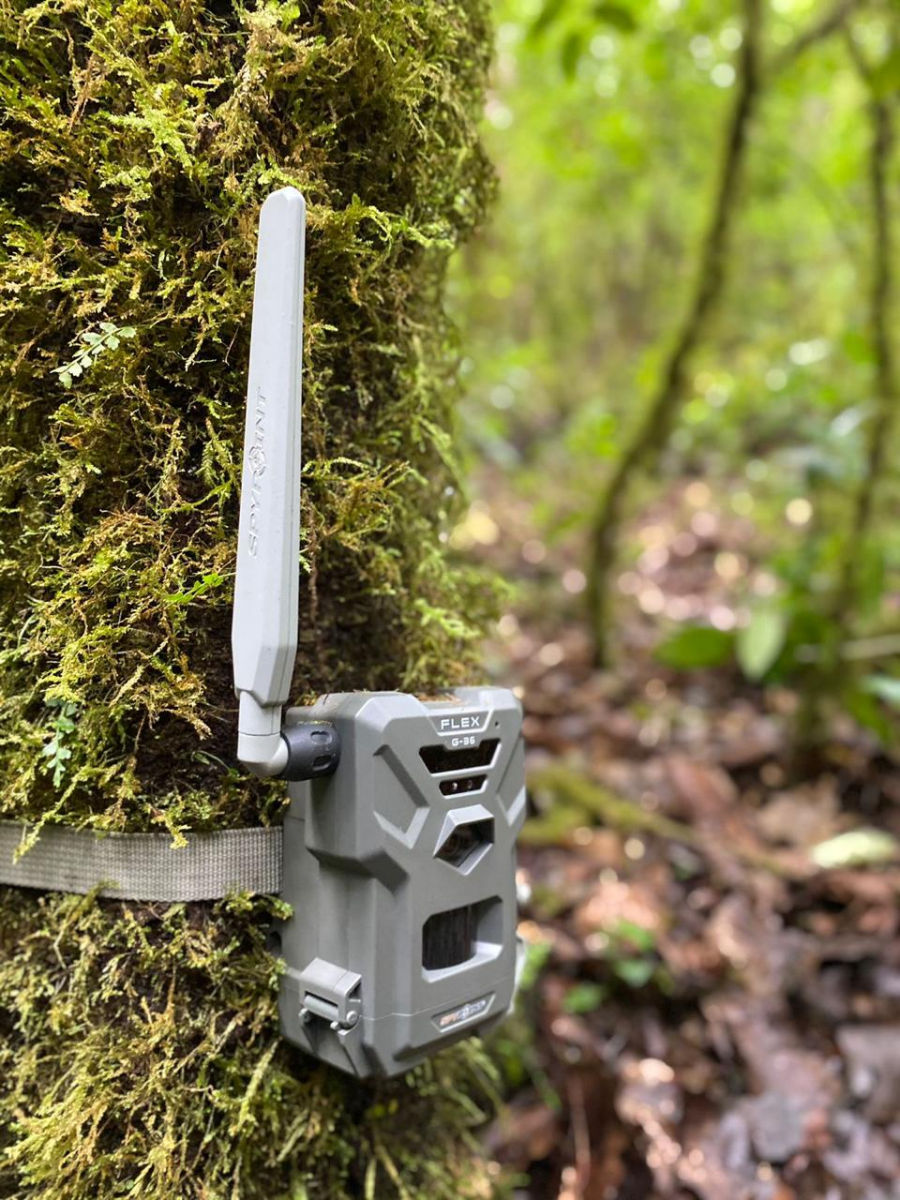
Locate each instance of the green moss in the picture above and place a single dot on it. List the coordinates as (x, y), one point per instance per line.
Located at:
(139, 138)
(140, 1056)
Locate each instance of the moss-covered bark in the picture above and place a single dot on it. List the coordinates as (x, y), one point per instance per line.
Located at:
(138, 1046)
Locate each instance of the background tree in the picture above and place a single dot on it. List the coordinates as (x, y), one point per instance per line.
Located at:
(673, 291)
(139, 1051)
(705, 324)
(852, 588)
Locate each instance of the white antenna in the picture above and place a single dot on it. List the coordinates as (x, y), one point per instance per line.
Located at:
(266, 595)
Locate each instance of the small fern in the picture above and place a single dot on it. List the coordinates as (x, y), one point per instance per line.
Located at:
(55, 750)
(93, 345)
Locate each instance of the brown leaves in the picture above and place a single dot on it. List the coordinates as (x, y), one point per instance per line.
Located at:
(717, 1015)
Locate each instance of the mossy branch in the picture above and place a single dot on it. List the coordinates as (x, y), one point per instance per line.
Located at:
(571, 788)
(577, 794)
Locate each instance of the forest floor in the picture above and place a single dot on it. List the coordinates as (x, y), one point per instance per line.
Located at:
(709, 1011)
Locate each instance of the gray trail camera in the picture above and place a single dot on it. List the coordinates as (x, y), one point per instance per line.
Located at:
(399, 844)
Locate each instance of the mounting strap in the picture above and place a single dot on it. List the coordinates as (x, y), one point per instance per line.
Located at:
(143, 866)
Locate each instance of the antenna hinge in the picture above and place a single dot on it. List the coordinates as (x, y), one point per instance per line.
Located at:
(314, 750)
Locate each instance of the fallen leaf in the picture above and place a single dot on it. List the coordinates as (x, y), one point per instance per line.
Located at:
(856, 848)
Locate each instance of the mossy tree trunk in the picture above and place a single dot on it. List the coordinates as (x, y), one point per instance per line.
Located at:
(139, 1052)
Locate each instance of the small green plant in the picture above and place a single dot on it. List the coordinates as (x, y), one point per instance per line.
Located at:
(199, 588)
(632, 956)
(93, 345)
(585, 997)
(55, 751)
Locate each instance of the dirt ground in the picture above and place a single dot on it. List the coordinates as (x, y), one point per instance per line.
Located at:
(712, 1004)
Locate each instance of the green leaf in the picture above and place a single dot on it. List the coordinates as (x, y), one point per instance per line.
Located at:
(536, 955)
(856, 848)
(585, 997)
(617, 16)
(760, 642)
(199, 588)
(865, 709)
(696, 646)
(635, 935)
(636, 972)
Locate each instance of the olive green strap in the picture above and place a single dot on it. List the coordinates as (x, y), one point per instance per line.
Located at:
(142, 866)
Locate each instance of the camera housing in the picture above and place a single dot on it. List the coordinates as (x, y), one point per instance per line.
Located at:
(399, 843)
(401, 870)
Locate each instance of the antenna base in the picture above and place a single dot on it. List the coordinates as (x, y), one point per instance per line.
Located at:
(314, 750)
(308, 750)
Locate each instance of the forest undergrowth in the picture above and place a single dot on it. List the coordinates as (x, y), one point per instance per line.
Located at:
(712, 1003)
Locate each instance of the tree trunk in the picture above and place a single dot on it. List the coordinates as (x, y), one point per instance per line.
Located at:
(886, 388)
(824, 680)
(652, 433)
(139, 1048)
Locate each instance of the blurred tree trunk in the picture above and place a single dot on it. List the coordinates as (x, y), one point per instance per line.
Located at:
(139, 1046)
(825, 678)
(655, 425)
(881, 302)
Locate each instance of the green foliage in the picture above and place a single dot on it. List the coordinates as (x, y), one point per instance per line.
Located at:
(761, 640)
(585, 997)
(536, 956)
(631, 956)
(138, 1050)
(606, 122)
(696, 646)
(513, 1046)
(886, 687)
(755, 647)
(55, 751)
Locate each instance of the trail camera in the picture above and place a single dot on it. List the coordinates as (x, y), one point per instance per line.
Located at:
(399, 844)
